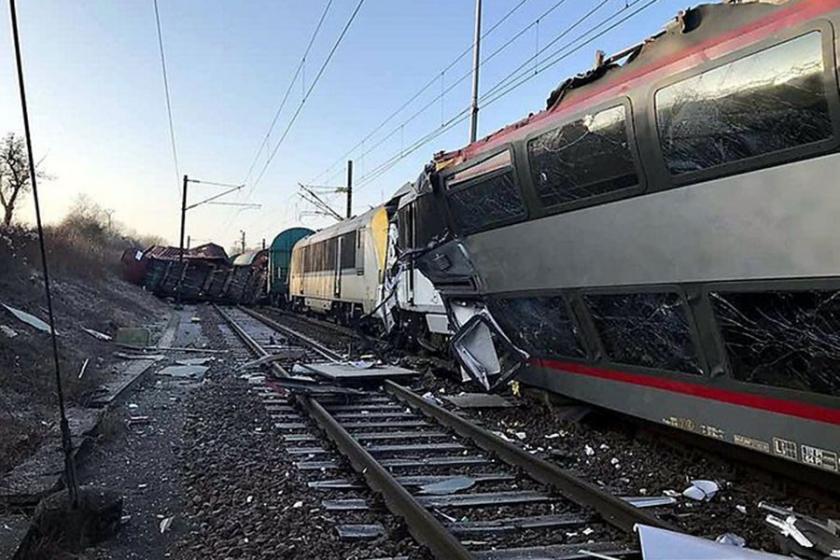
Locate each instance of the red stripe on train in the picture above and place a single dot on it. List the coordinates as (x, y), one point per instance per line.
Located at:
(779, 406)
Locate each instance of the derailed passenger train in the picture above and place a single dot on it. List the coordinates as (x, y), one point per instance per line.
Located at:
(660, 240)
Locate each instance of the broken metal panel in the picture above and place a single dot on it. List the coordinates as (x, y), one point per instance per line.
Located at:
(645, 329)
(360, 531)
(352, 372)
(478, 400)
(785, 339)
(770, 101)
(660, 544)
(486, 354)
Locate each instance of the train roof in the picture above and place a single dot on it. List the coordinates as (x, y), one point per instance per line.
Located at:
(285, 240)
(344, 226)
(704, 32)
(248, 257)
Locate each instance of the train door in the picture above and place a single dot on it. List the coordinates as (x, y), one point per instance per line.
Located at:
(337, 266)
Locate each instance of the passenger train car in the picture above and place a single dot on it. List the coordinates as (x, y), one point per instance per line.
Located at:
(662, 239)
(362, 270)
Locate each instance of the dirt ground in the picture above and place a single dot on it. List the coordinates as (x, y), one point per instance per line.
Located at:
(100, 301)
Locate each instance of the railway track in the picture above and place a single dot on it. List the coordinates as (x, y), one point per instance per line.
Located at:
(461, 491)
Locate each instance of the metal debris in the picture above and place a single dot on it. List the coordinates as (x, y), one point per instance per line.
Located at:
(194, 361)
(479, 400)
(660, 544)
(30, 320)
(448, 486)
(165, 524)
(189, 372)
(8, 331)
(97, 335)
(732, 540)
(701, 490)
(124, 356)
(804, 536)
(360, 531)
(649, 501)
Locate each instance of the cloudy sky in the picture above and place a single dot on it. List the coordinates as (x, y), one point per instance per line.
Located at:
(99, 116)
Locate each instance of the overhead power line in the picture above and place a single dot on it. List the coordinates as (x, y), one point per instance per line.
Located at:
(298, 71)
(168, 100)
(434, 79)
(496, 92)
(306, 96)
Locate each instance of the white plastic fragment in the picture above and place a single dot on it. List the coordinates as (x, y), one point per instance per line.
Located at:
(731, 539)
(741, 509)
(96, 334)
(84, 367)
(552, 436)
(701, 490)
(29, 319)
(589, 451)
(165, 524)
(8, 331)
(297, 504)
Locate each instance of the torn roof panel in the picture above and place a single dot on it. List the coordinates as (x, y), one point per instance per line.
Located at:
(706, 32)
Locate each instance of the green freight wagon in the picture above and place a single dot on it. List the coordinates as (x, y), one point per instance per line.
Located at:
(279, 255)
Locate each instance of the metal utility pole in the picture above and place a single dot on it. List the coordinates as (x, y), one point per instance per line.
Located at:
(184, 208)
(243, 239)
(263, 243)
(188, 243)
(350, 188)
(476, 62)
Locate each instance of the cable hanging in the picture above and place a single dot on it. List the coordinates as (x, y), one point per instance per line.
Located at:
(66, 438)
(168, 100)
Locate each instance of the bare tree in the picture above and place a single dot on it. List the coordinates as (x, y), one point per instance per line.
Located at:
(15, 179)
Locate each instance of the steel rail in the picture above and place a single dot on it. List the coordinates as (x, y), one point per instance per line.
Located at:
(311, 342)
(422, 525)
(614, 511)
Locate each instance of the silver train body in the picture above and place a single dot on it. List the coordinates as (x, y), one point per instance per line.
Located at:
(662, 239)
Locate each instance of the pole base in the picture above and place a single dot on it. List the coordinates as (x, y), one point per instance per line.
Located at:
(63, 527)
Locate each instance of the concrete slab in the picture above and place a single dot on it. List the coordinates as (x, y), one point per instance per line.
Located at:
(350, 372)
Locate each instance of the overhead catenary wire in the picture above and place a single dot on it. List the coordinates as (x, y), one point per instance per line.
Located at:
(298, 70)
(435, 79)
(496, 92)
(306, 96)
(168, 97)
(66, 437)
(398, 129)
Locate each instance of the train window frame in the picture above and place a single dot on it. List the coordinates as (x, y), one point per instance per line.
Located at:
(756, 286)
(446, 190)
(763, 161)
(630, 125)
(603, 357)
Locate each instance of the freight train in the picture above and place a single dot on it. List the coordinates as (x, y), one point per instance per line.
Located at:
(659, 240)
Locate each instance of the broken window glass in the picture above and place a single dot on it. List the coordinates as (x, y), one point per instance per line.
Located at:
(486, 202)
(485, 195)
(785, 339)
(645, 329)
(584, 158)
(542, 326)
(767, 102)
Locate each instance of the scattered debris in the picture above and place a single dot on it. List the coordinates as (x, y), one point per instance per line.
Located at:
(134, 420)
(137, 336)
(701, 490)
(169, 349)
(30, 320)
(194, 361)
(741, 509)
(165, 524)
(361, 364)
(195, 319)
(261, 361)
(132, 406)
(347, 372)
(428, 396)
(8, 331)
(84, 367)
(96, 334)
(297, 504)
(660, 544)
(801, 535)
(649, 501)
(731, 539)
(479, 400)
(189, 372)
(448, 486)
(360, 531)
(589, 451)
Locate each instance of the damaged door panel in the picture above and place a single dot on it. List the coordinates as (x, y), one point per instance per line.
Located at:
(486, 354)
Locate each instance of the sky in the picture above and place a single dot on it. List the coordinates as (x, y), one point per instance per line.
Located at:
(98, 110)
